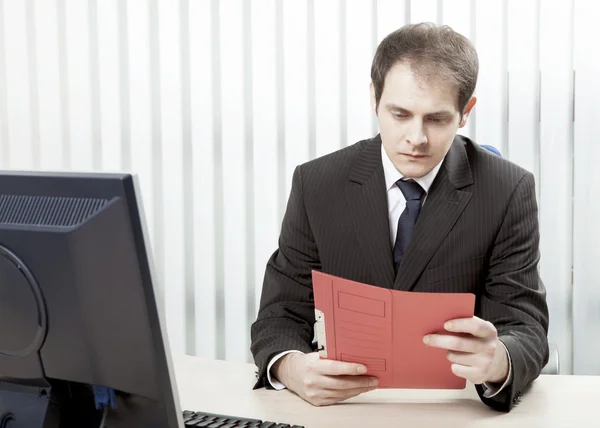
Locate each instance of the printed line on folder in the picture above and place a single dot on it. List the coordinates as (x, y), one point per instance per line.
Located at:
(361, 304)
(372, 364)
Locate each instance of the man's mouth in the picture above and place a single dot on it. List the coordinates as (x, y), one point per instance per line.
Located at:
(413, 156)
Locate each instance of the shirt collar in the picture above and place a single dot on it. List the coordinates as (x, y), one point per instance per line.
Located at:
(392, 174)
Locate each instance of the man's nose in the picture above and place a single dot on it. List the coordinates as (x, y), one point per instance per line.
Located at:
(416, 134)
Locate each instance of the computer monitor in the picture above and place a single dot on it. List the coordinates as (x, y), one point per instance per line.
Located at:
(78, 313)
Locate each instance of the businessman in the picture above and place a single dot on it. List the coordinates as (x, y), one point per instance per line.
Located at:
(420, 208)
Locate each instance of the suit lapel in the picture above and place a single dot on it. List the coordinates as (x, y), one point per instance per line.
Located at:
(444, 204)
(367, 200)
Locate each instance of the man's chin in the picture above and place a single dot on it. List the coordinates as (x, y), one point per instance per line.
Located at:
(413, 169)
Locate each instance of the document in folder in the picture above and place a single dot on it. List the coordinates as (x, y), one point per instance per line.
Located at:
(384, 329)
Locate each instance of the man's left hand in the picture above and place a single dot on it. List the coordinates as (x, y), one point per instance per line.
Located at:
(478, 355)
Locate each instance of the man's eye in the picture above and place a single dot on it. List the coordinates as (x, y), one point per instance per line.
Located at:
(400, 116)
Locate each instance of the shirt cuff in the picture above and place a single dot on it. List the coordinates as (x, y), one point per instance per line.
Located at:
(491, 390)
(274, 382)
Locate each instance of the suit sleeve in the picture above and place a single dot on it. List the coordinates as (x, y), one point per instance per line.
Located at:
(514, 299)
(286, 315)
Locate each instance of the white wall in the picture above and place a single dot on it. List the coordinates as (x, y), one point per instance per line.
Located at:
(213, 103)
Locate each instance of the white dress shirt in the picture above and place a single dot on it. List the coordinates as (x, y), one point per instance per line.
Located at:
(396, 204)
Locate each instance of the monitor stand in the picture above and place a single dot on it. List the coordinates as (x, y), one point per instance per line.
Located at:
(26, 406)
(60, 405)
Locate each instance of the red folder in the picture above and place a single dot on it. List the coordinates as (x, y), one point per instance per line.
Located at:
(383, 329)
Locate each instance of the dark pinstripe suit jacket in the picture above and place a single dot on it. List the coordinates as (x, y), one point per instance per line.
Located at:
(477, 233)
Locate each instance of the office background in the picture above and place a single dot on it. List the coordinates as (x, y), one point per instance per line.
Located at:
(213, 103)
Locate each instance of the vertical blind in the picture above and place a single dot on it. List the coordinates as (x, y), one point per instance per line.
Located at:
(212, 103)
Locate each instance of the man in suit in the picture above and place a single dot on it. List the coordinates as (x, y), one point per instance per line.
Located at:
(420, 208)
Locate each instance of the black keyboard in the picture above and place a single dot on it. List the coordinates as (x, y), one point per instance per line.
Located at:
(212, 420)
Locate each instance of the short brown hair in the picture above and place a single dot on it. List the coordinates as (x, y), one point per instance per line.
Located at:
(433, 52)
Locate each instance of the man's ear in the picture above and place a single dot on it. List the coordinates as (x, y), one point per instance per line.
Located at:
(467, 111)
(373, 100)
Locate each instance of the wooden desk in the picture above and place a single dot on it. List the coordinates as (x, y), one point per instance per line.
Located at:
(226, 387)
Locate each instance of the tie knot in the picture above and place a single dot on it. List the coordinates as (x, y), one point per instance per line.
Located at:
(411, 190)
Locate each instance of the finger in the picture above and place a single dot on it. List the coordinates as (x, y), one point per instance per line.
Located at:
(473, 374)
(348, 393)
(346, 382)
(468, 359)
(335, 368)
(324, 397)
(475, 326)
(455, 343)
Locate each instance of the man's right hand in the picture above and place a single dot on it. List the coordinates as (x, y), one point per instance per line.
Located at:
(322, 382)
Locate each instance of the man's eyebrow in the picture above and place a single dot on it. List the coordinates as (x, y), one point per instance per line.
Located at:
(441, 113)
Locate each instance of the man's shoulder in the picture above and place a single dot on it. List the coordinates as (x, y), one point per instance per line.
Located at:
(493, 168)
(336, 164)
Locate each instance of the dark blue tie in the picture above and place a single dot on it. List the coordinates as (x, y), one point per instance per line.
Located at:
(413, 193)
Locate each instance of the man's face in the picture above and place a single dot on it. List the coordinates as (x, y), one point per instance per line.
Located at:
(418, 120)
